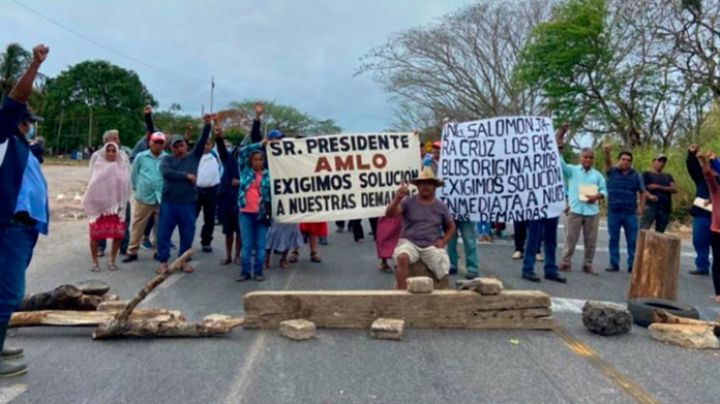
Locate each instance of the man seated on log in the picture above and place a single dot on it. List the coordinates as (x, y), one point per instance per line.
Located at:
(421, 238)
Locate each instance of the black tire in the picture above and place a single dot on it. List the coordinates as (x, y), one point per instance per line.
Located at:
(93, 287)
(642, 309)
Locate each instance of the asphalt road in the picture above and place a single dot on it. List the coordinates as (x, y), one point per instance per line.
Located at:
(427, 366)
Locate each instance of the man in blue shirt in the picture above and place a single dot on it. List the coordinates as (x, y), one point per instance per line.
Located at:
(23, 202)
(624, 184)
(586, 187)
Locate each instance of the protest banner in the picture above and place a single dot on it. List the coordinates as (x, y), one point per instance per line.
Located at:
(501, 170)
(339, 177)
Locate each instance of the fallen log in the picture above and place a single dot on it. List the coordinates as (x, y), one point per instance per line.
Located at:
(662, 316)
(687, 332)
(69, 318)
(212, 325)
(63, 297)
(439, 309)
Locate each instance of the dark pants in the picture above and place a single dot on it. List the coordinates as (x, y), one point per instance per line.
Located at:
(701, 241)
(102, 244)
(357, 228)
(207, 202)
(17, 242)
(340, 224)
(715, 243)
(547, 230)
(181, 215)
(629, 222)
(149, 226)
(520, 236)
(659, 215)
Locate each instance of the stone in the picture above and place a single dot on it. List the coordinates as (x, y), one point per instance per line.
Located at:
(606, 319)
(420, 284)
(484, 286)
(298, 330)
(387, 328)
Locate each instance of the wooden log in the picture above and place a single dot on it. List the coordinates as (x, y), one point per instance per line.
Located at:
(420, 269)
(655, 274)
(440, 309)
(69, 318)
(113, 305)
(63, 297)
(212, 325)
(662, 316)
(697, 336)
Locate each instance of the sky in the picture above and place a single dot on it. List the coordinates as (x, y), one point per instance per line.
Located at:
(302, 53)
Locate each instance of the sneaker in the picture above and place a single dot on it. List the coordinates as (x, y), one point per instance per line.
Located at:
(556, 278)
(453, 271)
(258, 278)
(146, 245)
(470, 276)
(612, 269)
(207, 249)
(699, 272)
(243, 278)
(531, 277)
(172, 246)
(517, 255)
(539, 257)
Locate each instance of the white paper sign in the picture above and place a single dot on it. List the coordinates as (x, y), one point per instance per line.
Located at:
(339, 177)
(502, 170)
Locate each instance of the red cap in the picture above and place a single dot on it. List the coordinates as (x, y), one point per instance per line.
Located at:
(437, 144)
(158, 136)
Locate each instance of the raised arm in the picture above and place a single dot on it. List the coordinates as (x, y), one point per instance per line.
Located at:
(256, 132)
(709, 173)
(149, 124)
(607, 149)
(220, 142)
(199, 148)
(16, 102)
(395, 207)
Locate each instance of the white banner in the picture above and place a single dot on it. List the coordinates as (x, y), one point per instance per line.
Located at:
(339, 177)
(502, 170)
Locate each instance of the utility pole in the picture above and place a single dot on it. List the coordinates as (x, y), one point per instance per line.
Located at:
(90, 128)
(212, 92)
(57, 142)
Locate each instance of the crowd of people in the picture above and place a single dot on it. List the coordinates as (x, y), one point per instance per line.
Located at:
(139, 200)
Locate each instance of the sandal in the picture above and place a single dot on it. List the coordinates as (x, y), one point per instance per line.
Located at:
(385, 269)
(283, 263)
(162, 269)
(187, 268)
(294, 256)
(113, 267)
(226, 261)
(315, 257)
(95, 268)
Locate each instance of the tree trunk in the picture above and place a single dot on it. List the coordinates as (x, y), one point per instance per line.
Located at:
(657, 266)
(69, 318)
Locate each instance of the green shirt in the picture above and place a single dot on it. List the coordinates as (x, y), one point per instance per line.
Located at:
(577, 178)
(147, 181)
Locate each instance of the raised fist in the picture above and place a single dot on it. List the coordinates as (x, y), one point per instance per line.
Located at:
(148, 109)
(40, 52)
(693, 148)
(607, 147)
(259, 109)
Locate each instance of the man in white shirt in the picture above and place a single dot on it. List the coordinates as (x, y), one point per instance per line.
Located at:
(208, 182)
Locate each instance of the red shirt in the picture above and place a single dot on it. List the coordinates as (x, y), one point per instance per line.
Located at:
(252, 196)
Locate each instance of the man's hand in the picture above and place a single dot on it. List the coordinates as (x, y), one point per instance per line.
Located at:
(402, 191)
(639, 211)
(191, 178)
(711, 155)
(259, 109)
(652, 187)
(189, 127)
(565, 126)
(147, 110)
(704, 157)
(594, 198)
(235, 182)
(40, 53)
(566, 211)
(693, 148)
(653, 198)
(707, 202)
(607, 147)
(217, 130)
(208, 118)
(440, 243)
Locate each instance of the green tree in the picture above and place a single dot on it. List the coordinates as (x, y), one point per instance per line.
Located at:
(91, 97)
(13, 62)
(604, 66)
(289, 119)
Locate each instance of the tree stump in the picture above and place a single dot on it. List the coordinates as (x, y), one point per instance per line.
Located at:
(657, 266)
(420, 269)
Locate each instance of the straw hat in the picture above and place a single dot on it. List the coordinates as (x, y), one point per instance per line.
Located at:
(427, 174)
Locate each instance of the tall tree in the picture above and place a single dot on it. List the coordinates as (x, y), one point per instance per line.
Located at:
(604, 67)
(460, 67)
(289, 119)
(91, 97)
(13, 62)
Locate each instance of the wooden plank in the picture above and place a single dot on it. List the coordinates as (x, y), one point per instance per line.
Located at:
(69, 318)
(656, 275)
(440, 309)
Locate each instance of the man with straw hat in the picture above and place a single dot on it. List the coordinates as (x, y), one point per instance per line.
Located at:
(423, 217)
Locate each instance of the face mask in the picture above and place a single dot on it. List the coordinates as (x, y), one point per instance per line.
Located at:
(30, 133)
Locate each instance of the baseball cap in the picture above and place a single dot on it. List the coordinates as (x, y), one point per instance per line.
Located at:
(661, 157)
(275, 134)
(175, 139)
(437, 144)
(158, 137)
